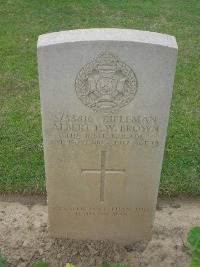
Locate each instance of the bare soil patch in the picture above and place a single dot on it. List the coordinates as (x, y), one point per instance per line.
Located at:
(24, 237)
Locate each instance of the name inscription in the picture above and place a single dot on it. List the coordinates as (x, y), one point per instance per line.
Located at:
(109, 130)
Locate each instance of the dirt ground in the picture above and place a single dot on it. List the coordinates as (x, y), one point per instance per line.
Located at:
(24, 237)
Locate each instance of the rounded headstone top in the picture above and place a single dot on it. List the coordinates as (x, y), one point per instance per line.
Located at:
(107, 34)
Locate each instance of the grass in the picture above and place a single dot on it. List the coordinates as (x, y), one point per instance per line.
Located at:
(21, 154)
(2, 261)
(43, 264)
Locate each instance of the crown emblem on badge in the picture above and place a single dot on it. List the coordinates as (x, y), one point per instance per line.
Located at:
(106, 84)
(107, 58)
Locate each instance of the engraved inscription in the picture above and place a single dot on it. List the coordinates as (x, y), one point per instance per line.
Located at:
(103, 172)
(106, 84)
(75, 129)
(103, 211)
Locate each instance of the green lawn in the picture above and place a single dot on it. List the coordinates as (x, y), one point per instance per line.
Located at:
(21, 154)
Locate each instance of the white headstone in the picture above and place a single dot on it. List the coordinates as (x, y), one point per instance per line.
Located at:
(105, 100)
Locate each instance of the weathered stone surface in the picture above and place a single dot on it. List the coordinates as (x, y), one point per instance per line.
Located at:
(105, 99)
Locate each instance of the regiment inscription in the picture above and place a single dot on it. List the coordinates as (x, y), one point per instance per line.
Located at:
(110, 130)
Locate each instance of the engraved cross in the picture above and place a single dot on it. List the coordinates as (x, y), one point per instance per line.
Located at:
(103, 172)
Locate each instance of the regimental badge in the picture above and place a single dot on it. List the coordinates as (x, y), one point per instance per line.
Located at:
(106, 84)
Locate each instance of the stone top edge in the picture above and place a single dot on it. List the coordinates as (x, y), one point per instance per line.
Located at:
(108, 34)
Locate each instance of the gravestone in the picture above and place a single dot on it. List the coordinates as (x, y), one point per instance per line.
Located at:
(105, 99)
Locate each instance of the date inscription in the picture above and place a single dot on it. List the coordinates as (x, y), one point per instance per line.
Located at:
(106, 130)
